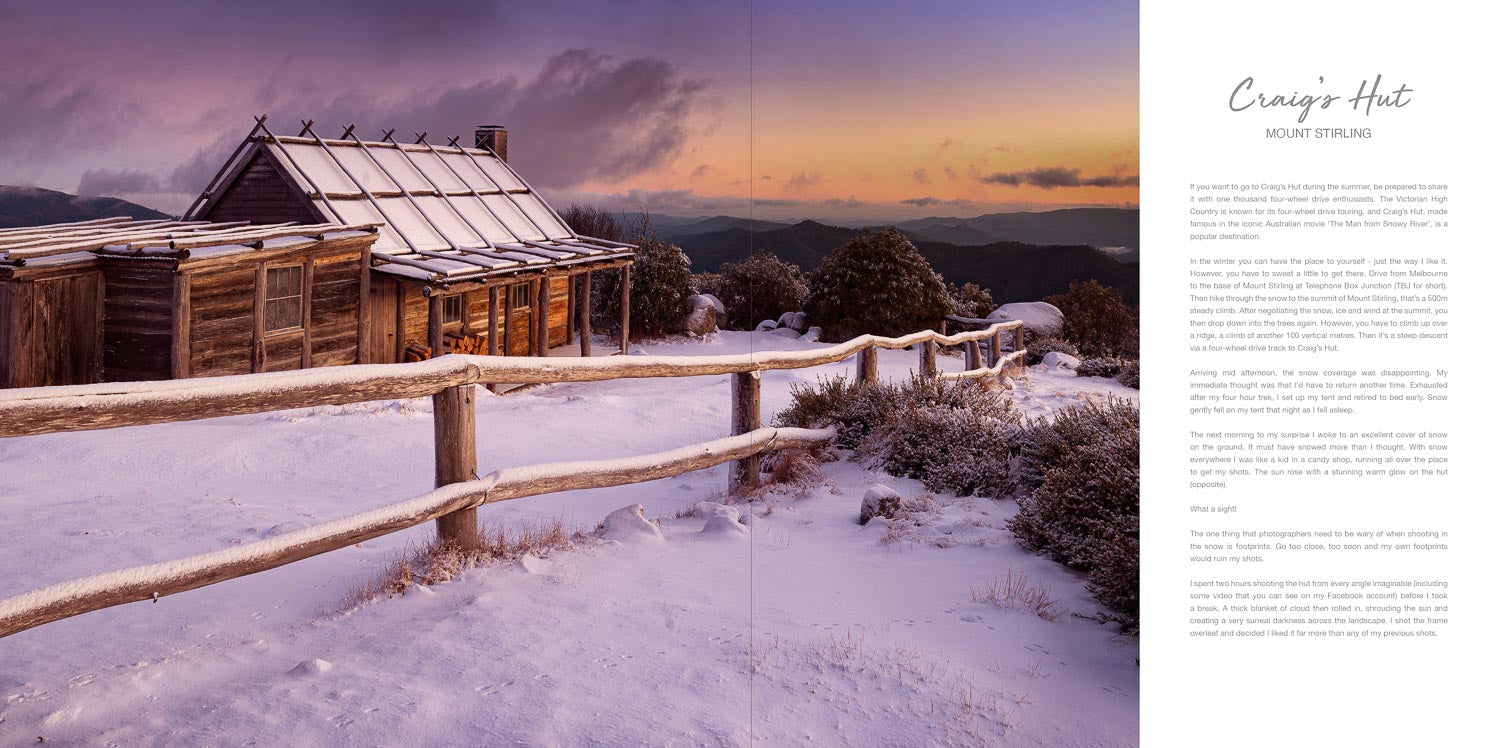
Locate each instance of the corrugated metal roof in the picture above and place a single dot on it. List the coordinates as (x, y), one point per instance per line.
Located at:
(448, 212)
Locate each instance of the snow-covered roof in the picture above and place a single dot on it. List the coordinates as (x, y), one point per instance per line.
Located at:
(82, 242)
(448, 212)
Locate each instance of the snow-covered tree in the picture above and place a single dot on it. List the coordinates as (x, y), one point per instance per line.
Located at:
(661, 280)
(1097, 320)
(878, 284)
(762, 286)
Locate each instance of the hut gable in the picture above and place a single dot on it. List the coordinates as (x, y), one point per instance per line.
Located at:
(450, 214)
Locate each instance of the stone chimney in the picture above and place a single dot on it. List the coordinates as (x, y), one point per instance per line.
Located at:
(492, 137)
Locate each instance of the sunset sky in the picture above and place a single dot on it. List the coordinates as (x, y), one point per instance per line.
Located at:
(836, 111)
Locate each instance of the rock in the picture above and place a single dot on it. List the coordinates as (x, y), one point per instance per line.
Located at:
(814, 334)
(795, 320)
(704, 317)
(629, 523)
(766, 324)
(1059, 360)
(723, 524)
(310, 668)
(880, 501)
(786, 332)
(1038, 317)
(707, 509)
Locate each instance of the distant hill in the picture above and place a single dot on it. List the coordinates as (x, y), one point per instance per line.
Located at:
(1013, 271)
(34, 206)
(1097, 227)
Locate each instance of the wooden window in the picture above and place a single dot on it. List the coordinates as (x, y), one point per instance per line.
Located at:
(520, 296)
(453, 309)
(283, 298)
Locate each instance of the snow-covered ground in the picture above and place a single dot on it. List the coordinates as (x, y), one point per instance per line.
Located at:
(808, 630)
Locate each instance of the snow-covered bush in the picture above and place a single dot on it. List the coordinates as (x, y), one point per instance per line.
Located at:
(1039, 348)
(1078, 480)
(952, 436)
(957, 451)
(1107, 367)
(970, 300)
(1130, 374)
(660, 284)
(878, 284)
(759, 287)
(1097, 319)
(853, 407)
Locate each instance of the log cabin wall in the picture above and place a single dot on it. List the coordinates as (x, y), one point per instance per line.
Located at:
(50, 327)
(137, 321)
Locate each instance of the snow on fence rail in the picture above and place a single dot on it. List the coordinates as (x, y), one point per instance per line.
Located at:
(45, 410)
(71, 598)
(450, 380)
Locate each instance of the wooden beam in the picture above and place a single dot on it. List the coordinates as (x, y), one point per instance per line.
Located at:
(182, 316)
(572, 307)
(306, 321)
(971, 355)
(455, 460)
(744, 396)
(509, 292)
(258, 321)
(541, 308)
(400, 322)
(492, 329)
(585, 331)
(868, 366)
(435, 324)
(362, 345)
(625, 309)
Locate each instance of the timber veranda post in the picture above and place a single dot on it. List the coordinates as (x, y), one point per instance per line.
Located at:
(744, 416)
(625, 309)
(456, 461)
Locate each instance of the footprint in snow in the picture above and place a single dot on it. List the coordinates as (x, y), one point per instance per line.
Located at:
(970, 618)
(81, 680)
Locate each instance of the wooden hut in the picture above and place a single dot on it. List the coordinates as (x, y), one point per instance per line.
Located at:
(470, 258)
(117, 300)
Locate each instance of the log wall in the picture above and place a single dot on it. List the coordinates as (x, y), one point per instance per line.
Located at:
(50, 329)
(137, 321)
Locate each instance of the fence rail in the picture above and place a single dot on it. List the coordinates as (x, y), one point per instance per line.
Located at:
(450, 380)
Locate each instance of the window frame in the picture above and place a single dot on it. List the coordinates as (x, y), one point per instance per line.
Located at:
(461, 301)
(515, 296)
(298, 271)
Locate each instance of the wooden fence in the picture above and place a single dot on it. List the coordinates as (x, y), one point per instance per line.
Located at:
(450, 381)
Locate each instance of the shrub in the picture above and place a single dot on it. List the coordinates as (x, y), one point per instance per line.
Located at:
(1101, 366)
(1040, 347)
(1097, 319)
(970, 300)
(1018, 591)
(660, 283)
(957, 451)
(952, 436)
(1130, 374)
(853, 407)
(595, 222)
(762, 286)
(1079, 503)
(878, 284)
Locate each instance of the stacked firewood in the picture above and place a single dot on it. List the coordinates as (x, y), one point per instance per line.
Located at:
(470, 344)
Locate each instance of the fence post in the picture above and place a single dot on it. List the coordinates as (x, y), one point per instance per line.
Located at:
(971, 355)
(929, 354)
(869, 365)
(456, 460)
(744, 392)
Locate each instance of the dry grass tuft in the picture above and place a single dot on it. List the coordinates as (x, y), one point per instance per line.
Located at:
(1017, 590)
(435, 563)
